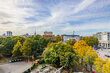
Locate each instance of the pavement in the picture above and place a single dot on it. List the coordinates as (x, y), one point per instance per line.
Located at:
(102, 52)
(16, 67)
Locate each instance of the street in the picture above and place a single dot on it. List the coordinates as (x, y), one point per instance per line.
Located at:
(102, 52)
(17, 67)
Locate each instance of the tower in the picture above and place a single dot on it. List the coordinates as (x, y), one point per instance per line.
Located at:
(35, 32)
(73, 32)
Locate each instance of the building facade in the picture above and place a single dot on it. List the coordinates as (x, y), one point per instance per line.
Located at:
(65, 38)
(9, 33)
(48, 35)
(104, 39)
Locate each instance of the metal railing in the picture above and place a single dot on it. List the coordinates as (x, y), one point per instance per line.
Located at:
(59, 70)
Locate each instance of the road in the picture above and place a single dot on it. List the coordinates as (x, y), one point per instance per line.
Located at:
(103, 52)
(17, 67)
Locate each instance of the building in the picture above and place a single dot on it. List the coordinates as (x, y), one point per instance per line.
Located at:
(104, 39)
(35, 32)
(0, 36)
(48, 35)
(26, 35)
(67, 37)
(4, 34)
(9, 33)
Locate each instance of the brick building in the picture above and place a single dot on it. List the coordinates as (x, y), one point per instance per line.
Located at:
(48, 35)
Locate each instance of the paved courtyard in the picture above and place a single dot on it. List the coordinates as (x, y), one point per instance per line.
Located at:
(17, 67)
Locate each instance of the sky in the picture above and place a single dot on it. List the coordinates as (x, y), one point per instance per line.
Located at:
(85, 17)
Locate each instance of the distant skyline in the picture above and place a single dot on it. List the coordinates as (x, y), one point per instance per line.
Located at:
(85, 17)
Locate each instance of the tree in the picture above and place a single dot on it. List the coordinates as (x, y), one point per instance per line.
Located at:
(57, 38)
(60, 54)
(50, 55)
(7, 47)
(91, 56)
(16, 38)
(1, 39)
(17, 49)
(91, 41)
(81, 48)
(106, 67)
(1, 48)
(38, 44)
(26, 48)
(71, 42)
(85, 52)
(98, 64)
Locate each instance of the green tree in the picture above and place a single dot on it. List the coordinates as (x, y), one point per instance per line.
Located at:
(50, 55)
(68, 57)
(91, 41)
(16, 38)
(91, 56)
(1, 39)
(17, 49)
(60, 54)
(7, 47)
(57, 38)
(71, 42)
(38, 44)
(26, 48)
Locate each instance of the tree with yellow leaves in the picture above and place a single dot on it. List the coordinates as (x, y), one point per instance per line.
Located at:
(16, 49)
(106, 67)
(81, 48)
(98, 64)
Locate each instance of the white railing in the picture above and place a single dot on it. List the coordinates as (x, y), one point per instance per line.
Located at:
(59, 70)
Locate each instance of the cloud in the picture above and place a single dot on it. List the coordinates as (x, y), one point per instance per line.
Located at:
(26, 15)
(87, 26)
(61, 11)
(83, 5)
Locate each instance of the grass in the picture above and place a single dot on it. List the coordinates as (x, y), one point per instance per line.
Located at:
(3, 60)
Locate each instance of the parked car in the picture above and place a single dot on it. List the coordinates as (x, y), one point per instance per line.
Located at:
(16, 60)
(107, 55)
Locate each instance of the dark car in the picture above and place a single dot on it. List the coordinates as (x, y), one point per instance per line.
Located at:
(107, 55)
(16, 60)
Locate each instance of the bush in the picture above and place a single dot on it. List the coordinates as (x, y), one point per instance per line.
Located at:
(41, 61)
(33, 66)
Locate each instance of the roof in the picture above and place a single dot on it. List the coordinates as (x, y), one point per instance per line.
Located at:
(71, 35)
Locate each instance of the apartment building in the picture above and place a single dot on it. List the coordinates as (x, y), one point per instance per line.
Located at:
(104, 39)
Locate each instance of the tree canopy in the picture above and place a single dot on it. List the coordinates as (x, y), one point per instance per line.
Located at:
(71, 42)
(91, 41)
(26, 48)
(81, 48)
(106, 67)
(7, 47)
(16, 38)
(36, 43)
(85, 52)
(17, 49)
(60, 54)
(57, 38)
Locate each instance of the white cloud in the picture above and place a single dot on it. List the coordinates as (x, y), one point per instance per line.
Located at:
(87, 26)
(13, 13)
(83, 5)
(61, 11)
(49, 17)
